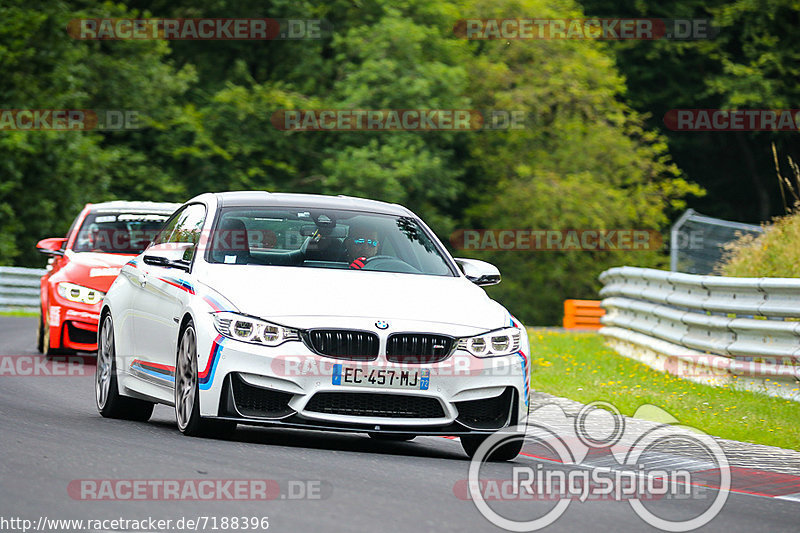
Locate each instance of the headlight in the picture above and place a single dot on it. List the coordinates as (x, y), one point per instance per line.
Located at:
(248, 329)
(79, 293)
(493, 344)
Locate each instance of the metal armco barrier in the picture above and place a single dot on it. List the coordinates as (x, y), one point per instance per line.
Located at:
(717, 330)
(582, 314)
(19, 288)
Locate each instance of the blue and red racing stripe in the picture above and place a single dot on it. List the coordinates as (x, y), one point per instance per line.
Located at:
(218, 305)
(206, 377)
(163, 372)
(179, 283)
(167, 373)
(525, 371)
(524, 359)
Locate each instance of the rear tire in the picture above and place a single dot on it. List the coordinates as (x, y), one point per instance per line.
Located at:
(504, 452)
(187, 393)
(40, 335)
(109, 402)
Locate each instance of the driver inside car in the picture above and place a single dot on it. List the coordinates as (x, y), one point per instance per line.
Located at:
(361, 244)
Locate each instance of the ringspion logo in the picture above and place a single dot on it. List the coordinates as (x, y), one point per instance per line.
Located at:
(637, 473)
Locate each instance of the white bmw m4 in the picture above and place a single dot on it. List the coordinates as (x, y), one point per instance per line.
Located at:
(317, 312)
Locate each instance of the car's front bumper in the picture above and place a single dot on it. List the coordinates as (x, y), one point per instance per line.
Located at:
(73, 326)
(291, 386)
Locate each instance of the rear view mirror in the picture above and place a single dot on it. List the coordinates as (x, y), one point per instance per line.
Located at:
(307, 230)
(51, 246)
(170, 255)
(479, 272)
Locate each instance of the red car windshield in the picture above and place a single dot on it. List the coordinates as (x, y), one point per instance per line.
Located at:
(118, 233)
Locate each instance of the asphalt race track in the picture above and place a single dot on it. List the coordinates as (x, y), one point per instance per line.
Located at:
(51, 436)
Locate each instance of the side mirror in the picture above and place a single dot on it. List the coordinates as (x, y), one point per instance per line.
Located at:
(51, 246)
(170, 255)
(479, 272)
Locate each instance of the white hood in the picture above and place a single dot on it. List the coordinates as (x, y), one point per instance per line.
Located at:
(279, 292)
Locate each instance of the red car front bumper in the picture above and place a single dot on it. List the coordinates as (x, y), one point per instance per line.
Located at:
(73, 326)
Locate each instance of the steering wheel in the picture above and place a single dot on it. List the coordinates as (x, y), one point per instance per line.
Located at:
(388, 263)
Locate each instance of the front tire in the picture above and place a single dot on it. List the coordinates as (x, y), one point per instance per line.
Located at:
(44, 341)
(109, 402)
(504, 452)
(187, 393)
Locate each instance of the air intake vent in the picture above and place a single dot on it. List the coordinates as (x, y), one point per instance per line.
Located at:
(343, 344)
(418, 348)
(258, 402)
(375, 405)
(490, 413)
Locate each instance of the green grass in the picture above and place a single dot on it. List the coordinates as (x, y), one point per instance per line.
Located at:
(19, 313)
(580, 367)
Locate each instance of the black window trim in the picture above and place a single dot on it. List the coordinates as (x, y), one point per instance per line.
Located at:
(448, 260)
(176, 214)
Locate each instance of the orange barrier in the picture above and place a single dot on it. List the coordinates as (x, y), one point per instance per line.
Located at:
(582, 314)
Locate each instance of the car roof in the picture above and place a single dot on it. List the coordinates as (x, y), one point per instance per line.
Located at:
(310, 201)
(165, 208)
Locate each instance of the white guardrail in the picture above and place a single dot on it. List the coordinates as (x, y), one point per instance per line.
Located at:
(19, 288)
(743, 332)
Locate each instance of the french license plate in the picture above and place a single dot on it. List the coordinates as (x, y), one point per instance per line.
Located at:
(356, 376)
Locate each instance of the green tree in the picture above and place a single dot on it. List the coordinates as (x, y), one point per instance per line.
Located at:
(48, 176)
(752, 63)
(584, 161)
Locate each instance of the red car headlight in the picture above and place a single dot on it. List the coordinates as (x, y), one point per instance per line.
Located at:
(79, 293)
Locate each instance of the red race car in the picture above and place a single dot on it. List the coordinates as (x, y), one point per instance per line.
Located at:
(84, 264)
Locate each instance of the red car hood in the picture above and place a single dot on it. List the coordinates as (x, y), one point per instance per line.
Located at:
(94, 270)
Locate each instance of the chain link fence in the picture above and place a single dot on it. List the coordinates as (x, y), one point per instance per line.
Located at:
(697, 241)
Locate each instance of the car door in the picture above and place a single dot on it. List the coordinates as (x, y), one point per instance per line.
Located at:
(163, 291)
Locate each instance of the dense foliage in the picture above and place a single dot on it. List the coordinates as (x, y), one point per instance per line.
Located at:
(587, 158)
(774, 253)
(753, 62)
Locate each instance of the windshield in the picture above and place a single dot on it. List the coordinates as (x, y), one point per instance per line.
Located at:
(325, 239)
(118, 233)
